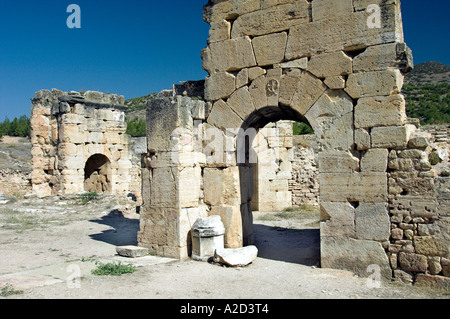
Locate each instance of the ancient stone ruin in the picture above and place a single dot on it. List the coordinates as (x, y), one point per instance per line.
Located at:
(79, 144)
(326, 63)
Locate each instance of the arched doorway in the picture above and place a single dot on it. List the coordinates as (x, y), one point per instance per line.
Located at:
(97, 174)
(249, 160)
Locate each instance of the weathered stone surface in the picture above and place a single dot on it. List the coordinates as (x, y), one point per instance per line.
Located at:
(232, 55)
(337, 162)
(377, 58)
(362, 139)
(430, 246)
(375, 160)
(434, 282)
(329, 9)
(337, 220)
(372, 222)
(221, 186)
(132, 251)
(380, 111)
(413, 262)
(219, 86)
(309, 89)
(299, 64)
(238, 257)
(232, 220)
(354, 255)
(219, 31)
(446, 267)
(331, 117)
(362, 187)
(391, 137)
(207, 236)
(330, 64)
(335, 82)
(376, 83)
(270, 20)
(223, 117)
(343, 32)
(269, 49)
(241, 103)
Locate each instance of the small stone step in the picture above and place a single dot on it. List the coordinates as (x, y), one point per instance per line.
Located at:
(132, 251)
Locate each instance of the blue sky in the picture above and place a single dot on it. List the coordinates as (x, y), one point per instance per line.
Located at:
(136, 47)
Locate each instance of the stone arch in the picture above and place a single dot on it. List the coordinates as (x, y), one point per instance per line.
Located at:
(317, 60)
(97, 174)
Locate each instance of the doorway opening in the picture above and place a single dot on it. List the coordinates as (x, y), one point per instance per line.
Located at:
(281, 218)
(97, 174)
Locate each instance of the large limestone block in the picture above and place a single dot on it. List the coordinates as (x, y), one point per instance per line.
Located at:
(337, 220)
(380, 111)
(309, 89)
(362, 5)
(330, 9)
(271, 20)
(232, 55)
(337, 162)
(219, 86)
(346, 32)
(219, 31)
(331, 117)
(391, 136)
(375, 160)
(376, 58)
(189, 186)
(223, 117)
(354, 255)
(166, 117)
(330, 64)
(269, 49)
(241, 103)
(258, 92)
(360, 187)
(372, 222)
(368, 84)
(232, 221)
(221, 186)
(132, 251)
(229, 9)
(164, 187)
(239, 257)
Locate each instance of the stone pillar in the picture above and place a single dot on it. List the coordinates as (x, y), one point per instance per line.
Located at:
(171, 178)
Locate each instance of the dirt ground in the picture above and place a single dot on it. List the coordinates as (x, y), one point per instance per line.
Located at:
(49, 247)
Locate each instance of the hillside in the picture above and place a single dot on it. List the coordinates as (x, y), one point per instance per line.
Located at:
(428, 73)
(426, 91)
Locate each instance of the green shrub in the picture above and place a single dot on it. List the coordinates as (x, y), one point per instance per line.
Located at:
(87, 197)
(445, 174)
(434, 158)
(112, 269)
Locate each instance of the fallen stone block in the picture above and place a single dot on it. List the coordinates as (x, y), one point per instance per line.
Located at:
(238, 257)
(132, 251)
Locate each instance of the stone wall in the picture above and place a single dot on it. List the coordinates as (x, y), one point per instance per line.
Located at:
(304, 184)
(69, 128)
(274, 168)
(322, 62)
(419, 205)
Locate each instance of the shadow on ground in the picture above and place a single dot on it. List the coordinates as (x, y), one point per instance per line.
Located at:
(300, 246)
(124, 230)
